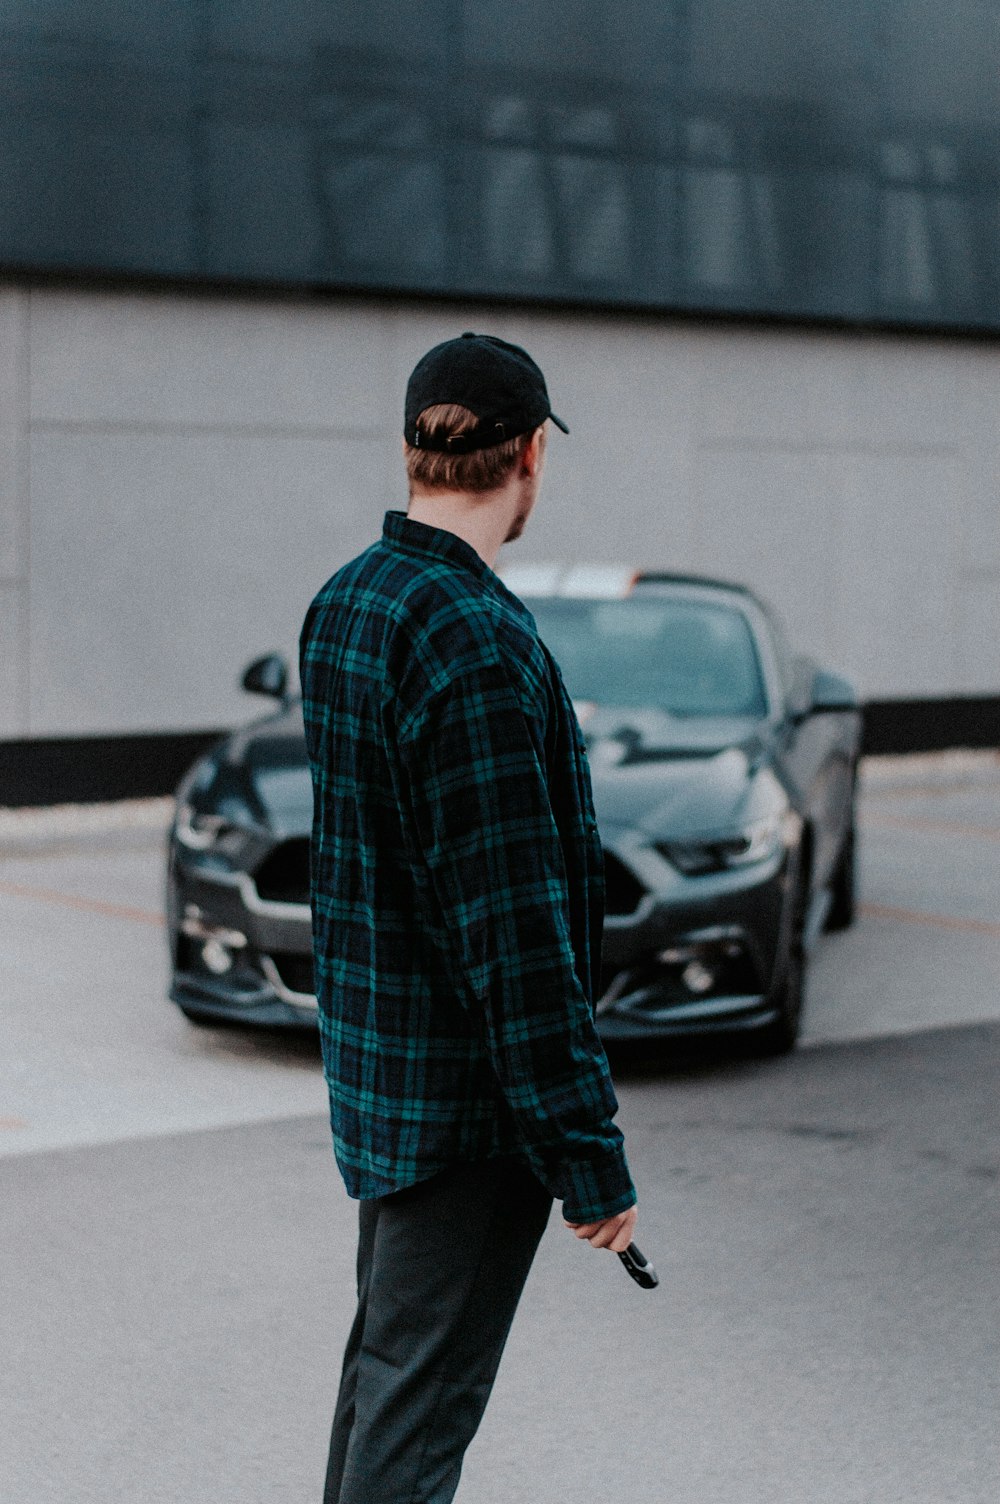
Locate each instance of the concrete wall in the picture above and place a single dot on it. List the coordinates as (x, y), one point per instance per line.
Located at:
(179, 474)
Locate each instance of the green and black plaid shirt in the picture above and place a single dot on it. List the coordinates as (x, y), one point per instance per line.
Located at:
(457, 885)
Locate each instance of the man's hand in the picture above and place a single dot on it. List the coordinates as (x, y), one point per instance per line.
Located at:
(614, 1232)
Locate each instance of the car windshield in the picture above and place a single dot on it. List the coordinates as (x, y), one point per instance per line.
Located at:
(685, 657)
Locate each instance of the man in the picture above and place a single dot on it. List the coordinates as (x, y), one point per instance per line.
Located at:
(457, 898)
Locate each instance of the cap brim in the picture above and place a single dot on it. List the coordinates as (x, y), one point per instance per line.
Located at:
(559, 422)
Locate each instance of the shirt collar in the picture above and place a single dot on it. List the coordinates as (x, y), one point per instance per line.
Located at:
(422, 539)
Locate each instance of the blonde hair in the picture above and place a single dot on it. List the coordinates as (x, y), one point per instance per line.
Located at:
(482, 470)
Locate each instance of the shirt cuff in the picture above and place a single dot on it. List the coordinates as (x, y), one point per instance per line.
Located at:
(596, 1189)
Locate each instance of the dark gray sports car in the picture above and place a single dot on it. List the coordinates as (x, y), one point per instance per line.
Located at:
(724, 772)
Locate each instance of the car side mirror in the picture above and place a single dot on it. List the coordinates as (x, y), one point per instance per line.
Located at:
(815, 691)
(266, 676)
(832, 693)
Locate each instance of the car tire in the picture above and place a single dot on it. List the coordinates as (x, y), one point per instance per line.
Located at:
(780, 1036)
(844, 883)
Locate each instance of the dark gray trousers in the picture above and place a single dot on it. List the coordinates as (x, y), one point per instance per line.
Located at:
(441, 1267)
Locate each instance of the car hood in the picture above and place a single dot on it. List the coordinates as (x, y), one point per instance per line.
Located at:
(264, 767)
(667, 775)
(649, 771)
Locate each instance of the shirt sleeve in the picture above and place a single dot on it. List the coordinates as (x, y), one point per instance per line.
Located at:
(476, 783)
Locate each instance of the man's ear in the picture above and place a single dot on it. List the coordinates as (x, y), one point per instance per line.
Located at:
(533, 452)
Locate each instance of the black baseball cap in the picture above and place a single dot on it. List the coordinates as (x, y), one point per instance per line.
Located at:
(498, 382)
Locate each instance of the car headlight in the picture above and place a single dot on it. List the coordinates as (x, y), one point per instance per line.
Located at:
(212, 832)
(757, 841)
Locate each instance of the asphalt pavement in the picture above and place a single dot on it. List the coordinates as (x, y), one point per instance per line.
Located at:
(176, 1250)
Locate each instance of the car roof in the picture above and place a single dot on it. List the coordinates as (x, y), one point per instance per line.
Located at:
(608, 581)
(712, 582)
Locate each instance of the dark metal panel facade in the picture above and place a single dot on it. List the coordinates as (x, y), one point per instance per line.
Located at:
(812, 158)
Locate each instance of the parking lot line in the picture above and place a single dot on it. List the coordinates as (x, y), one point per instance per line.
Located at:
(940, 921)
(74, 901)
(931, 826)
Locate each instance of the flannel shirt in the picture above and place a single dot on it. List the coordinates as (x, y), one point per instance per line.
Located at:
(456, 880)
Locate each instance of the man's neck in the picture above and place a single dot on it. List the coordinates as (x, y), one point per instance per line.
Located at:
(482, 520)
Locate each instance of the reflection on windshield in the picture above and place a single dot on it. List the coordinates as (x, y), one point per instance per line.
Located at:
(687, 658)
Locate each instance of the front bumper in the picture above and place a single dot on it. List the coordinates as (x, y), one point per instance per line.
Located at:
(199, 999)
(695, 956)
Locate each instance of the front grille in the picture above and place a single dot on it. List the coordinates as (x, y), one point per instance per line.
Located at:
(623, 891)
(295, 970)
(283, 876)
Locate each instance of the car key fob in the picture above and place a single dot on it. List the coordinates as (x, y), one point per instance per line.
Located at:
(639, 1267)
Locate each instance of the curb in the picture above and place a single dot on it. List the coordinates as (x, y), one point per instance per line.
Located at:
(930, 772)
(37, 828)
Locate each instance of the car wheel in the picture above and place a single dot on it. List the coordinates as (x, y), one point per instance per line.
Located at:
(779, 1037)
(844, 883)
